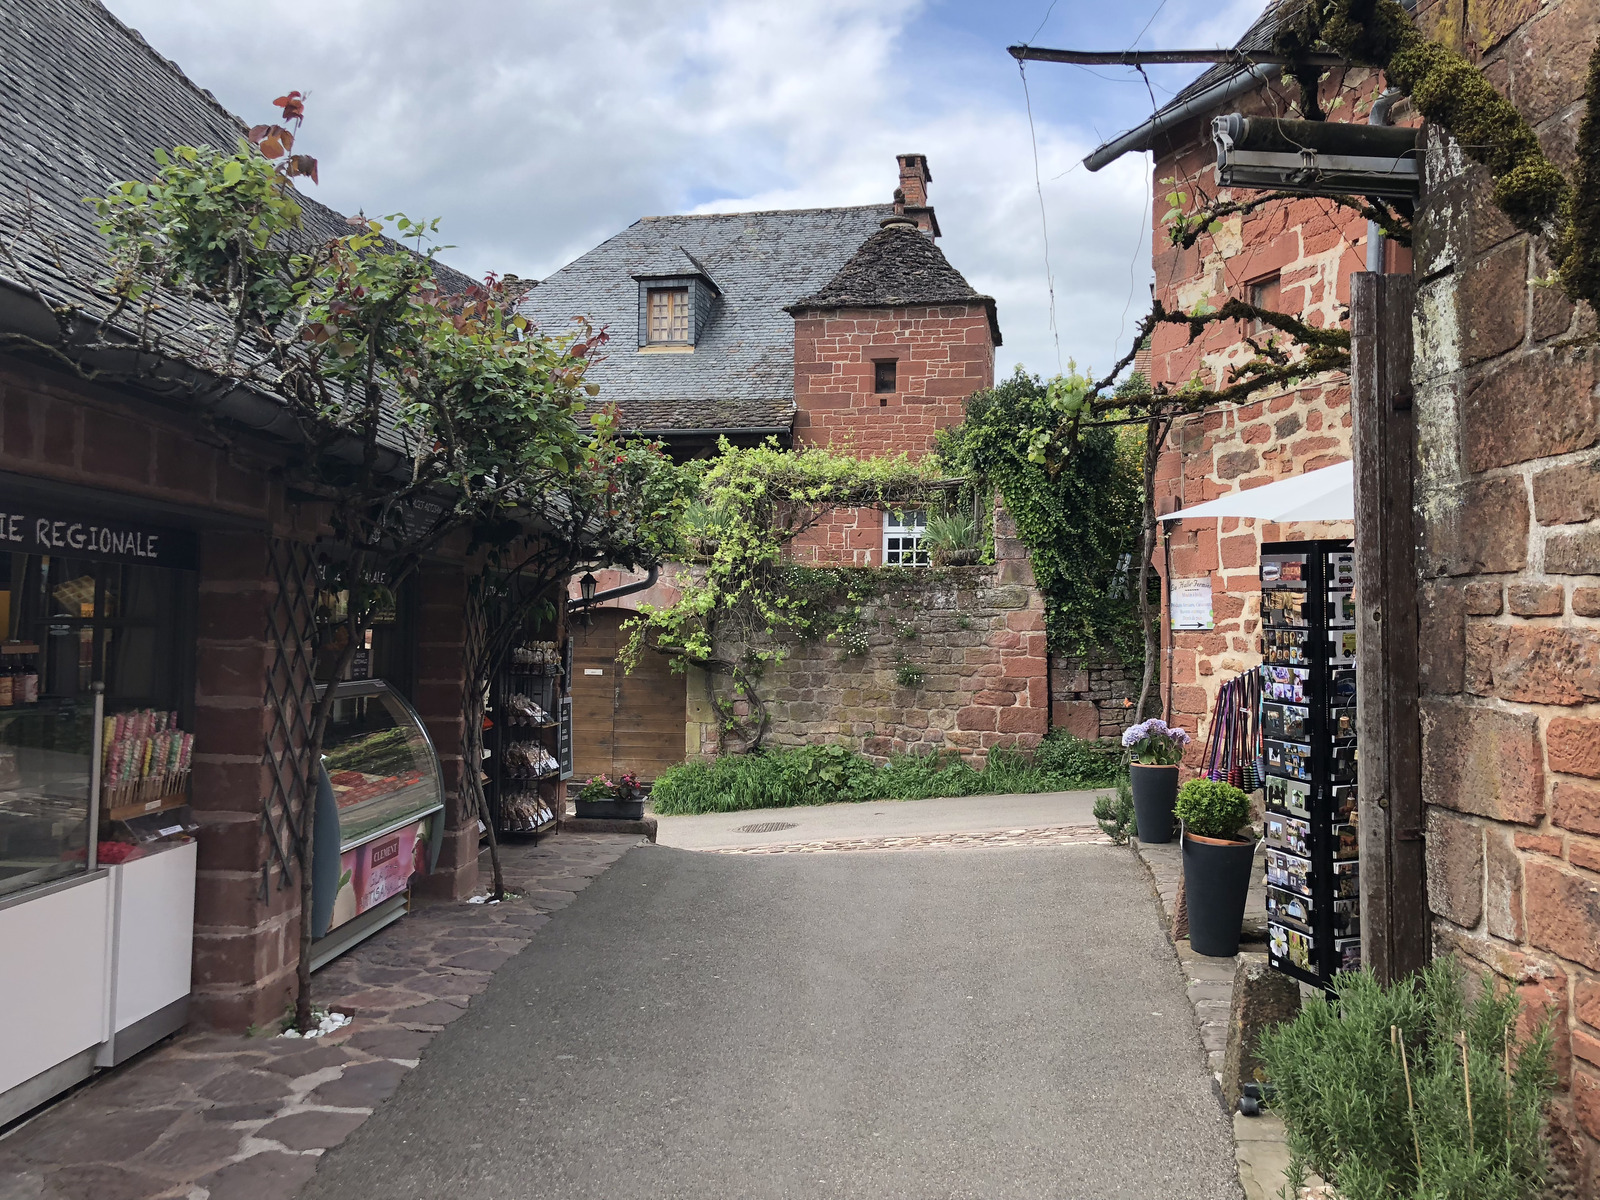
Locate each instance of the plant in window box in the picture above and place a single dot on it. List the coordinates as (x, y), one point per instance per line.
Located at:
(1155, 748)
(605, 799)
(1218, 850)
(953, 539)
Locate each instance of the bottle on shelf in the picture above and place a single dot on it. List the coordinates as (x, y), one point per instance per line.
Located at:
(30, 680)
(8, 680)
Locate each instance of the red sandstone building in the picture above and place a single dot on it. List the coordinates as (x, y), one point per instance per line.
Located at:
(838, 326)
(1505, 516)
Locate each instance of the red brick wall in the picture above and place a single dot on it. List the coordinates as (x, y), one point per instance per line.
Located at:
(942, 355)
(441, 619)
(1508, 496)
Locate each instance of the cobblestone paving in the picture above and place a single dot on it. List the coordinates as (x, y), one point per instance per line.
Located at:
(223, 1117)
(1053, 835)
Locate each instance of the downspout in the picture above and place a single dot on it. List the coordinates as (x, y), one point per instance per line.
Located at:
(1379, 116)
(626, 589)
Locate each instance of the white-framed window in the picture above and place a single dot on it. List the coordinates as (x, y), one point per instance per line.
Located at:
(904, 535)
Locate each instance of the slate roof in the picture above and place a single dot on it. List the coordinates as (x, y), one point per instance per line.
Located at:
(1257, 39)
(896, 267)
(740, 374)
(83, 102)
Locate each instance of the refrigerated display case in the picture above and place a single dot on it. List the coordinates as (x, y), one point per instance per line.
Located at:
(1309, 758)
(380, 811)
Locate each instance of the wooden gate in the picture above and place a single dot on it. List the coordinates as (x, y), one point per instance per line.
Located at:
(622, 722)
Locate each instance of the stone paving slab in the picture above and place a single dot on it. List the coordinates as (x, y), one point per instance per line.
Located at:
(1262, 1153)
(1059, 835)
(208, 1116)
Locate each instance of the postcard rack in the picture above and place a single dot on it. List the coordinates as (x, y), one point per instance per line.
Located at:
(1308, 738)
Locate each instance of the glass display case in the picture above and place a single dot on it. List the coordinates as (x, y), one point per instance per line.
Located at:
(46, 750)
(378, 812)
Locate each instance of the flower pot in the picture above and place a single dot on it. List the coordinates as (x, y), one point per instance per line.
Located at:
(610, 810)
(1155, 791)
(1216, 880)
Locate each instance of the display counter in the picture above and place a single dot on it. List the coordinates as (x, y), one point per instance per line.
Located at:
(380, 811)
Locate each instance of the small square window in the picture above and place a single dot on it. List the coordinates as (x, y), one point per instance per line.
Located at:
(903, 539)
(883, 376)
(669, 314)
(1265, 293)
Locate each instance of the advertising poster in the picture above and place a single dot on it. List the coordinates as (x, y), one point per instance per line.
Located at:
(374, 871)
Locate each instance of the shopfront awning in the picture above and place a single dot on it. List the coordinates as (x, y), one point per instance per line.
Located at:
(1327, 494)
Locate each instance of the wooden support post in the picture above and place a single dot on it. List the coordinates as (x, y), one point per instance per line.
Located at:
(1394, 909)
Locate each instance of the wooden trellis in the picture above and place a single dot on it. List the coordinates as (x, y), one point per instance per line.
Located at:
(290, 698)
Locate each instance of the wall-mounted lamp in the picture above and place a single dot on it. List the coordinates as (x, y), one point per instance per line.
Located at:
(586, 587)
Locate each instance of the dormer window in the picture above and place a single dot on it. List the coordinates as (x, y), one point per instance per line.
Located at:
(677, 300)
(669, 315)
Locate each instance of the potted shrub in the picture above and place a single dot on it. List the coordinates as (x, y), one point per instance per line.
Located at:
(1155, 748)
(1216, 863)
(953, 539)
(605, 799)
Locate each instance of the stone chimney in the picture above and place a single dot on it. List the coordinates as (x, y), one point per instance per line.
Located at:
(911, 197)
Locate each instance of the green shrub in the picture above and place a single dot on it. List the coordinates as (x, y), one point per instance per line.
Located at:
(1211, 808)
(1339, 1081)
(785, 777)
(1115, 815)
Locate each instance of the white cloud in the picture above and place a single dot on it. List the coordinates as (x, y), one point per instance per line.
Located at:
(538, 129)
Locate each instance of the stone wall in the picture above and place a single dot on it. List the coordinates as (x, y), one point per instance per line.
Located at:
(1508, 496)
(975, 634)
(1092, 699)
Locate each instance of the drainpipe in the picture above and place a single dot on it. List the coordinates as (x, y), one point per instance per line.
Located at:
(626, 589)
(1378, 116)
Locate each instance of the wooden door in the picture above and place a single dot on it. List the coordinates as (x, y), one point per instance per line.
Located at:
(622, 722)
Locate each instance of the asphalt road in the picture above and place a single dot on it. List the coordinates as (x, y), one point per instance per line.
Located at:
(983, 1023)
(880, 818)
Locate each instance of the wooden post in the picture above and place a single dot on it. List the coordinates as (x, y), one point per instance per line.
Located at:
(1394, 908)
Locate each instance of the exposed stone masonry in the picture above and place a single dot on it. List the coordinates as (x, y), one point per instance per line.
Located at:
(1092, 698)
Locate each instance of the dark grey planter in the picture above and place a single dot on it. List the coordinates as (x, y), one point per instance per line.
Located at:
(610, 810)
(1216, 881)
(1155, 791)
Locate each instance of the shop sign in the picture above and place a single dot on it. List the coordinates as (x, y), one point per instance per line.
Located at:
(564, 737)
(27, 529)
(1190, 603)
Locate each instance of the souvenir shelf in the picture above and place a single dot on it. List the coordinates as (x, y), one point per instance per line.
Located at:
(531, 722)
(1308, 727)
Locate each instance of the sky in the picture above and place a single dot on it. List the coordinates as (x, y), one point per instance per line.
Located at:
(536, 129)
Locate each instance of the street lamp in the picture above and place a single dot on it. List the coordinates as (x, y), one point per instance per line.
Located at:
(586, 587)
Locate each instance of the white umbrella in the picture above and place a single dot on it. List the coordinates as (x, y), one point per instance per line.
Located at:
(1327, 494)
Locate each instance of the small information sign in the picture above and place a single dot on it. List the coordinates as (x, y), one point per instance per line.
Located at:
(1190, 603)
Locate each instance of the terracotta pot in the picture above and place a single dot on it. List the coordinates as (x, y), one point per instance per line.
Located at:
(1216, 881)
(1155, 791)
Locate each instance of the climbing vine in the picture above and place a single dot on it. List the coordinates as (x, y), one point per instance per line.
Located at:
(1079, 518)
(744, 600)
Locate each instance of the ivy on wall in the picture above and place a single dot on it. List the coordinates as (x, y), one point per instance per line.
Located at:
(1079, 515)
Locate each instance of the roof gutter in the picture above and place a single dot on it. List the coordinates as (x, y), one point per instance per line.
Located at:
(745, 431)
(1248, 79)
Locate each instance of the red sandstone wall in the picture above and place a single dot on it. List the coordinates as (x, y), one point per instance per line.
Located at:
(942, 355)
(1508, 503)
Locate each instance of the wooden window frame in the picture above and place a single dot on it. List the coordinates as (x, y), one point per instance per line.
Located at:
(677, 318)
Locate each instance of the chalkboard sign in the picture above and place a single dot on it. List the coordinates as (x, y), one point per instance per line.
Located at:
(33, 529)
(564, 738)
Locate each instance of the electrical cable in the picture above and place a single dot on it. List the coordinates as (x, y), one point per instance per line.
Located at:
(1044, 223)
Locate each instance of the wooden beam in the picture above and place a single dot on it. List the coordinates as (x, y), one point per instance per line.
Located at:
(1137, 58)
(1395, 936)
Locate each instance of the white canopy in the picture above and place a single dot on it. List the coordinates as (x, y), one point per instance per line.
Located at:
(1327, 494)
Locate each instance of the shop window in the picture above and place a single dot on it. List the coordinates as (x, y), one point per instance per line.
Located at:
(386, 648)
(904, 539)
(65, 625)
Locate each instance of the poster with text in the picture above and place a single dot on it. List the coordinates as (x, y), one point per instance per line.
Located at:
(1190, 603)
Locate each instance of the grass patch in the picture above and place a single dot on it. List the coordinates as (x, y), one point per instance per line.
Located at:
(784, 778)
